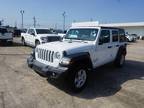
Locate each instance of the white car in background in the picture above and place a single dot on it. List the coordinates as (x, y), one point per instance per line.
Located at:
(61, 34)
(141, 37)
(6, 36)
(131, 38)
(34, 37)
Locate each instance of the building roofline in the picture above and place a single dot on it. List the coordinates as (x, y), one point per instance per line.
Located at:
(130, 24)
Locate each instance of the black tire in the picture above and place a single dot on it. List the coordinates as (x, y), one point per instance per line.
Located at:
(120, 60)
(74, 78)
(37, 43)
(23, 42)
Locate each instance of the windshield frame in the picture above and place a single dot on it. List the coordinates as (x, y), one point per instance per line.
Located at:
(83, 39)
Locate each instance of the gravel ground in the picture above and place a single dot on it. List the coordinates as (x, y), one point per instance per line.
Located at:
(108, 87)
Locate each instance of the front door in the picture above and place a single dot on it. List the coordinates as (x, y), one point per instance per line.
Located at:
(103, 48)
(31, 37)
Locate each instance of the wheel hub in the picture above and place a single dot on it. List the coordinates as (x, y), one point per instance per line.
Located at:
(80, 78)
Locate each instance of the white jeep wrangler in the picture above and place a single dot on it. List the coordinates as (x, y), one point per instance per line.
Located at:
(84, 48)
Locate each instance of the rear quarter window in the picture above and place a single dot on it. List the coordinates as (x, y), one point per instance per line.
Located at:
(114, 36)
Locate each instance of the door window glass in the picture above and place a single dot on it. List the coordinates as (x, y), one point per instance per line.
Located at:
(104, 36)
(114, 36)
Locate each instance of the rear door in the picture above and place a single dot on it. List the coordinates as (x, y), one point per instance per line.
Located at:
(115, 42)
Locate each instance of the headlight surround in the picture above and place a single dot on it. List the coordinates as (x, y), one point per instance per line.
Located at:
(57, 55)
(65, 61)
(33, 53)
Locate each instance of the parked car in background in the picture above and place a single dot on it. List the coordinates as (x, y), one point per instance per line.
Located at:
(34, 36)
(142, 37)
(61, 33)
(17, 33)
(135, 35)
(130, 38)
(6, 36)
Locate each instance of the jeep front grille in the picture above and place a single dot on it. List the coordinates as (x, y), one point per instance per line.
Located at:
(45, 54)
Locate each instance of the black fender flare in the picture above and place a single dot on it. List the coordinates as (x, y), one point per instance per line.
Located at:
(36, 40)
(22, 38)
(81, 58)
(121, 50)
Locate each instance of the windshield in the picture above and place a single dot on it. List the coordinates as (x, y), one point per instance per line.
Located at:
(82, 34)
(23, 30)
(43, 31)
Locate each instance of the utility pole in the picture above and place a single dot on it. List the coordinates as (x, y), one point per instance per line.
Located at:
(55, 26)
(22, 13)
(15, 24)
(1, 22)
(74, 21)
(64, 15)
(34, 19)
(91, 19)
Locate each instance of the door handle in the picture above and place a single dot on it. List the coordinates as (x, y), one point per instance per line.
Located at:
(117, 45)
(109, 46)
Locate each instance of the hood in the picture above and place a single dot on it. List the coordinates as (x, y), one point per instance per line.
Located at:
(46, 35)
(69, 47)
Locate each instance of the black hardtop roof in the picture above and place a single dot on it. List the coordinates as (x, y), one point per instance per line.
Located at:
(111, 28)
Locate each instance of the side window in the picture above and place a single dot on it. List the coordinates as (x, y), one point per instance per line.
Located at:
(104, 37)
(122, 35)
(29, 31)
(114, 36)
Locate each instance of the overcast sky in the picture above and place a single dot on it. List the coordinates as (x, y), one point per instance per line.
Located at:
(49, 12)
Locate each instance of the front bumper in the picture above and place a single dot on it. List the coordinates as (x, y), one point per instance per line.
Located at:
(6, 39)
(45, 70)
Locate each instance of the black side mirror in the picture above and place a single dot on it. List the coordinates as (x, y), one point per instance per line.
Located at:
(100, 41)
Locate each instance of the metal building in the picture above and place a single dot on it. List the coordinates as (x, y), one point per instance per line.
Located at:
(131, 28)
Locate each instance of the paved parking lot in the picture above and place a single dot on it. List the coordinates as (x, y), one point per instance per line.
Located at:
(109, 87)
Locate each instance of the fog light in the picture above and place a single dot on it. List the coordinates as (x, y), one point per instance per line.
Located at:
(53, 74)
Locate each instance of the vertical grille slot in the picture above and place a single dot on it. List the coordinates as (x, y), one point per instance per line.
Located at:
(45, 55)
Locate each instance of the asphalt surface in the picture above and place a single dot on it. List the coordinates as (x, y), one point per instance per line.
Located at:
(108, 87)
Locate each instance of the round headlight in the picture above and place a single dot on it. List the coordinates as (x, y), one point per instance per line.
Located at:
(57, 55)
